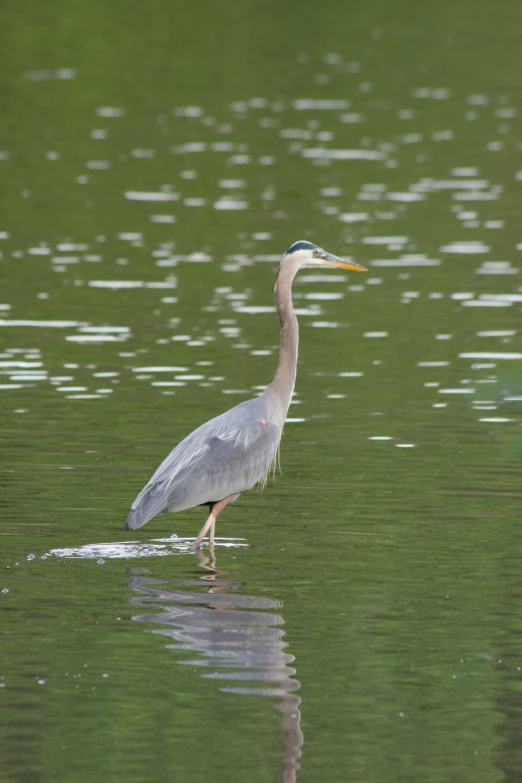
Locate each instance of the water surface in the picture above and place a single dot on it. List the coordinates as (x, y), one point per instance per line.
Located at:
(361, 621)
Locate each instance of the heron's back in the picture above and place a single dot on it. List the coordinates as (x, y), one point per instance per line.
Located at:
(225, 456)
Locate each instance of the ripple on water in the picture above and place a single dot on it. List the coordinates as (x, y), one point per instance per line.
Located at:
(373, 198)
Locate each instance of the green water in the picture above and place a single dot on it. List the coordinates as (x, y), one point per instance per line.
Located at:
(363, 620)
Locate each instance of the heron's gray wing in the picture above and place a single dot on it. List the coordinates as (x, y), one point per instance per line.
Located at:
(223, 457)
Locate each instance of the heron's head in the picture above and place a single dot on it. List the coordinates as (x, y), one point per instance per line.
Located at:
(306, 254)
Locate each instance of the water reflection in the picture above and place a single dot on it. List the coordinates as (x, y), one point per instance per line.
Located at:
(238, 639)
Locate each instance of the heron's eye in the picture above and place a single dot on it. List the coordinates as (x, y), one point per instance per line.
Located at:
(315, 253)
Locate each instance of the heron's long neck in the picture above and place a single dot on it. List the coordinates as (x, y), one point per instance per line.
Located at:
(284, 379)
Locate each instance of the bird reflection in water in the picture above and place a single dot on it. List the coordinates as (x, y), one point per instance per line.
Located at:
(238, 635)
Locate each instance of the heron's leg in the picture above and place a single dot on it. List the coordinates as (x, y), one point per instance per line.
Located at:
(210, 524)
(204, 530)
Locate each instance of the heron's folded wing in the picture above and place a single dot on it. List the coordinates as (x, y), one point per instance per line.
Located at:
(225, 456)
(239, 428)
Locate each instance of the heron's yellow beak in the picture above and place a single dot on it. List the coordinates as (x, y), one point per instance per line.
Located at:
(340, 263)
(350, 265)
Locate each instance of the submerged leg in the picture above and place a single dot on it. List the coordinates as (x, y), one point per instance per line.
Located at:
(210, 524)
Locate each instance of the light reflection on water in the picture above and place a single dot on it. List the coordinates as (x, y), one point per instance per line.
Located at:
(234, 635)
(239, 637)
(140, 239)
(157, 547)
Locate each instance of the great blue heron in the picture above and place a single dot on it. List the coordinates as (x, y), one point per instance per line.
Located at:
(229, 454)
